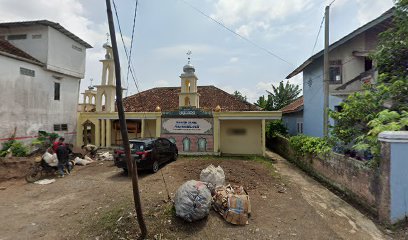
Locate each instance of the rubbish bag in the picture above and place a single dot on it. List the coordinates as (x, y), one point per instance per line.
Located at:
(80, 161)
(50, 159)
(213, 175)
(193, 201)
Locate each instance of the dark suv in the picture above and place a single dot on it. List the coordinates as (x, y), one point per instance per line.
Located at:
(148, 153)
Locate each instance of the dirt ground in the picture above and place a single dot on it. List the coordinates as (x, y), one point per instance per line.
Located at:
(95, 202)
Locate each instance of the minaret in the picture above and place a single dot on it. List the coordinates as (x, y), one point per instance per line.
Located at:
(106, 92)
(89, 99)
(188, 96)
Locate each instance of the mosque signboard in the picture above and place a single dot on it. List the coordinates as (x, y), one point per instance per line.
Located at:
(187, 126)
(188, 112)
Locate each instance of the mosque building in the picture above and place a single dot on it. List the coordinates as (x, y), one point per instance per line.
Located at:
(198, 119)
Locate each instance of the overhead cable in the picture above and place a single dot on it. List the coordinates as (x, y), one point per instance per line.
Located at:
(235, 33)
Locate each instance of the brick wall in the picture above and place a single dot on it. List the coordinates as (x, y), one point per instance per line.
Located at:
(194, 141)
(347, 174)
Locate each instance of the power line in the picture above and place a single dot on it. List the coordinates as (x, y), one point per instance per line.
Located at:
(131, 45)
(130, 66)
(318, 34)
(235, 33)
(124, 46)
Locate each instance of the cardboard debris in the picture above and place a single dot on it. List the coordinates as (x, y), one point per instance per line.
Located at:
(232, 202)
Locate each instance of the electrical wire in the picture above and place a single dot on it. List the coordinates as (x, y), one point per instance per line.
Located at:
(318, 34)
(131, 46)
(130, 65)
(124, 46)
(235, 33)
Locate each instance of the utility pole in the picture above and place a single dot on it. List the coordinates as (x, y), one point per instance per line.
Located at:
(326, 73)
(123, 128)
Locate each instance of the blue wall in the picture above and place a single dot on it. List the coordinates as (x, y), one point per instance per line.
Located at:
(313, 99)
(290, 120)
(399, 181)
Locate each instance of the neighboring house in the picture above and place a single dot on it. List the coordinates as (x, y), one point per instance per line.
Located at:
(41, 65)
(292, 116)
(199, 119)
(350, 68)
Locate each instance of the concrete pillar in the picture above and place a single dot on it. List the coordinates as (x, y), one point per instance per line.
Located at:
(79, 134)
(263, 141)
(97, 133)
(142, 132)
(103, 133)
(216, 132)
(108, 132)
(158, 126)
(393, 199)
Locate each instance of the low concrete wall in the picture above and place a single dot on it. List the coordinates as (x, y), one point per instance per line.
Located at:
(349, 175)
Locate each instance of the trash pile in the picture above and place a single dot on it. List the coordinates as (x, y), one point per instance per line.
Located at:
(104, 156)
(194, 199)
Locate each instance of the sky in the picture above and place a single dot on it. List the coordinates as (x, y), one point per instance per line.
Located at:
(166, 30)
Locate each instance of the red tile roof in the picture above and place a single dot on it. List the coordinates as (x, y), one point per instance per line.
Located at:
(294, 106)
(8, 48)
(167, 98)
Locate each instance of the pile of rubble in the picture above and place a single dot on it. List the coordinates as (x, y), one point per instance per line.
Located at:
(194, 199)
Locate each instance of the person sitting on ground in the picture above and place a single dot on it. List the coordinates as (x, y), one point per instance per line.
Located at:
(63, 152)
(90, 149)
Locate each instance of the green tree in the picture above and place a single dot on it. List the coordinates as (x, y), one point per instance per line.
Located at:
(240, 96)
(383, 106)
(280, 96)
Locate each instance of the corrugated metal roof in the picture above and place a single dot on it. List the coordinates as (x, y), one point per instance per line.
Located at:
(54, 25)
(381, 19)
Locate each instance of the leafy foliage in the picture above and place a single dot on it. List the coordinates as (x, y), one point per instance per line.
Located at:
(386, 120)
(17, 149)
(45, 140)
(306, 145)
(384, 106)
(240, 96)
(280, 96)
(276, 127)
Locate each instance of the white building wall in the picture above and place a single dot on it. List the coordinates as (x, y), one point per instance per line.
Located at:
(65, 55)
(36, 47)
(27, 103)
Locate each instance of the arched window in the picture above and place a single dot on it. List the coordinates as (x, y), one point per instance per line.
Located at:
(103, 101)
(186, 144)
(186, 101)
(188, 86)
(202, 144)
(172, 139)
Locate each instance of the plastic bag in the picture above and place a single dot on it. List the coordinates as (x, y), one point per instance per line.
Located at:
(193, 201)
(213, 175)
(80, 161)
(50, 159)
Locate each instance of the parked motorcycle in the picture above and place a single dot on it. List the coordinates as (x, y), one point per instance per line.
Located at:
(41, 168)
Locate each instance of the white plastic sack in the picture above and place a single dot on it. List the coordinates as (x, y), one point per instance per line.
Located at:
(50, 159)
(213, 175)
(45, 181)
(193, 201)
(80, 161)
(106, 156)
(89, 159)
